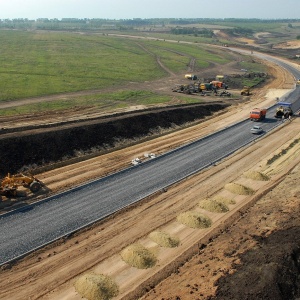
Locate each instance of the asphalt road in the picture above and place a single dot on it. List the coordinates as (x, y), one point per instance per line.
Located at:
(36, 225)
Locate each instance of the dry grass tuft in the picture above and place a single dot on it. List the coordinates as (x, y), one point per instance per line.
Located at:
(96, 287)
(194, 219)
(256, 176)
(239, 189)
(164, 239)
(138, 256)
(213, 206)
(224, 200)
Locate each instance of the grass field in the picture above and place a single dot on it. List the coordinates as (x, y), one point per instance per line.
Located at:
(43, 63)
(39, 63)
(99, 101)
(35, 63)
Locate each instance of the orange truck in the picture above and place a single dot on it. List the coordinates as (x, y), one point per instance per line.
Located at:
(258, 114)
(219, 84)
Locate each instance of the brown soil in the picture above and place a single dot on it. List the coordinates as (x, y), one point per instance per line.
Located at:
(250, 252)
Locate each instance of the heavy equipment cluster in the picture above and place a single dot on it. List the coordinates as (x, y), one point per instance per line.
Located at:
(203, 87)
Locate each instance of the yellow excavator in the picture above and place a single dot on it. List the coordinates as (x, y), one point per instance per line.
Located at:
(10, 184)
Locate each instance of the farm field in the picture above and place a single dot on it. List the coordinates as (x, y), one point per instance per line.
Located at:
(225, 259)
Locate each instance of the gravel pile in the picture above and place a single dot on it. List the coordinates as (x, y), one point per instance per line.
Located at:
(138, 256)
(164, 239)
(194, 219)
(213, 206)
(256, 176)
(239, 189)
(96, 287)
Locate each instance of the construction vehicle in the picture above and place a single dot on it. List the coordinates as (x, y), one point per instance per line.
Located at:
(246, 91)
(184, 88)
(284, 109)
(220, 78)
(206, 86)
(258, 114)
(225, 94)
(219, 84)
(10, 184)
(191, 76)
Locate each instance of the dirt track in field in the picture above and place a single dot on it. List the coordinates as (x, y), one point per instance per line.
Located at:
(205, 263)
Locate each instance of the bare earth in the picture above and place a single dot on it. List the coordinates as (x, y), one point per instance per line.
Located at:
(191, 270)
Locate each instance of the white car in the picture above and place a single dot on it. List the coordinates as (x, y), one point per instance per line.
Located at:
(256, 129)
(136, 161)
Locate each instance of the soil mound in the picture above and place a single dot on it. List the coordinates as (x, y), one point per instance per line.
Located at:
(239, 189)
(96, 287)
(213, 206)
(138, 256)
(164, 239)
(256, 176)
(226, 201)
(194, 219)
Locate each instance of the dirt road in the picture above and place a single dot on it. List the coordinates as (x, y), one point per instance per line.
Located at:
(203, 256)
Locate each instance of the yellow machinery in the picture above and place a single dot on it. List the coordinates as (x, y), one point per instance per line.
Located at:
(10, 184)
(246, 91)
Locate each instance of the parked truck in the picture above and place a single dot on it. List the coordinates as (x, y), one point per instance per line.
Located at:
(258, 114)
(219, 84)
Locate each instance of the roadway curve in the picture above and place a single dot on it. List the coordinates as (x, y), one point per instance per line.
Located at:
(22, 231)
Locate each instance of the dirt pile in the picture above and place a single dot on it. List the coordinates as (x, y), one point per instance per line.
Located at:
(256, 176)
(194, 219)
(138, 256)
(226, 201)
(96, 287)
(164, 239)
(239, 189)
(213, 206)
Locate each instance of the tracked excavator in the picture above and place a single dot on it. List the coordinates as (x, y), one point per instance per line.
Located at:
(10, 184)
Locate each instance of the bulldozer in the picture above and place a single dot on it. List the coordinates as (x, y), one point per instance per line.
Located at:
(10, 184)
(246, 91)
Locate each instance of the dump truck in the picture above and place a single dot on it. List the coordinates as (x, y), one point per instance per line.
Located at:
(246, 91)
(258, 114)
(10, 184)
(284, 109)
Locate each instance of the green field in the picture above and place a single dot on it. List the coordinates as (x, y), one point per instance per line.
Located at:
(36, 63)
(39, 63)
(45, 63)
(99, 101)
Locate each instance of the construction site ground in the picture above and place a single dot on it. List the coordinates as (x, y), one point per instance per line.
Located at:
(250, 252)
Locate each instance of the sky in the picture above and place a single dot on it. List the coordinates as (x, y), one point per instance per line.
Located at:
(146, 9)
